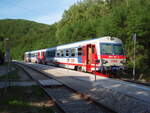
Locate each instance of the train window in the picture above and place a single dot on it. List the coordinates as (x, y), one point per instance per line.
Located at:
(48, 53)
(32, 55)
(79, 51)
(73, 52)
(106, 49)
(29, 54)
(62, 53)
(58, 53)
(36, 54)
(118, 49)
(53, 53)
(67, 52)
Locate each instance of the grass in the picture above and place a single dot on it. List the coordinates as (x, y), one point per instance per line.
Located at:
(145, 77)
(25, 100)
(128, 74)
(4, 64)
(11, 75)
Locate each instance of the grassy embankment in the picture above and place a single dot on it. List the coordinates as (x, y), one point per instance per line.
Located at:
(25, 100)
(12, 74)
(128, 74)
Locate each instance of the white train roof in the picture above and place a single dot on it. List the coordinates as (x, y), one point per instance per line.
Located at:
(35, 51)
(106, 39)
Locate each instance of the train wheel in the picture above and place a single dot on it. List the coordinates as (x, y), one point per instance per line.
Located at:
(79, 68)
(42, 62)
(76, 68)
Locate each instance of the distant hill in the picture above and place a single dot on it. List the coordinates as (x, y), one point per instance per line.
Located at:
(26, 35)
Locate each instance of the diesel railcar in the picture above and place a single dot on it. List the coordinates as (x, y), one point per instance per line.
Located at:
(98, 56)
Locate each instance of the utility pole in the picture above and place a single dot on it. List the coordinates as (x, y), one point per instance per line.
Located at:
(7, 59)
(134, 51)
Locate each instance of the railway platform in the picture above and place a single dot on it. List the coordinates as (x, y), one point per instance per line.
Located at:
(121, 96)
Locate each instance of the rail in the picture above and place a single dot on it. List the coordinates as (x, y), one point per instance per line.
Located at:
(81, 95)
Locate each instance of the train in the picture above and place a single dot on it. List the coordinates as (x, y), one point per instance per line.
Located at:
(101, 56)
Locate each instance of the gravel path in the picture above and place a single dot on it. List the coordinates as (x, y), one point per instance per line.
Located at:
(23, 75)
(123, 97)
(3, 70)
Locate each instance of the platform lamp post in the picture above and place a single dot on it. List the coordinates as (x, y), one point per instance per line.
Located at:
(7, 50)
(134, 51)
(7, 58)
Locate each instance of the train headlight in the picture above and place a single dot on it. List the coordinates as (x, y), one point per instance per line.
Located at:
(97, 61)
(122, 61)
(104, 61)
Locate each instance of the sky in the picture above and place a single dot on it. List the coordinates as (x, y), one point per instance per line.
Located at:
(42, 11)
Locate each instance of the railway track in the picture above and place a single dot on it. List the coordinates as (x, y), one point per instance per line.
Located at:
(136, 82)
(66, 99)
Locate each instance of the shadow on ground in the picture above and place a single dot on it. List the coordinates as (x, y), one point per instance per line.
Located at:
(25, 100)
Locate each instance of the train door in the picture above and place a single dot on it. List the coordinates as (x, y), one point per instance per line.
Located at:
(39, 57)
(89, 58)
(29, 57)
(43, 58)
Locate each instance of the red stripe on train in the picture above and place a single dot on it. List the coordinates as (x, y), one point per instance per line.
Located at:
(91, 66)
(113, 56)
(97, 73)
(100, 74)
(82, 65)
(74, 64)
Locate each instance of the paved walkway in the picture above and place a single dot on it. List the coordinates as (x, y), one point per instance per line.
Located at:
(121, 96)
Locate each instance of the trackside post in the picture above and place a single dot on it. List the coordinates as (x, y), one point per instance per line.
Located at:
(134, 41)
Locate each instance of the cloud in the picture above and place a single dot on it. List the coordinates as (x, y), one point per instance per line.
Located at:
(48, 19)
(56, 15)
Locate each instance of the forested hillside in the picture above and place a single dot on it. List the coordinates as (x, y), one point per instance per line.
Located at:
(85, 20)
(26, 35)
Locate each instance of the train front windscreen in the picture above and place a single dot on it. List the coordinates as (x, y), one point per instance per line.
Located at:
(111, 49)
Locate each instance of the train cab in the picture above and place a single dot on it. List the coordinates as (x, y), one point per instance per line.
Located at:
(27, 57)
(112, 55)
